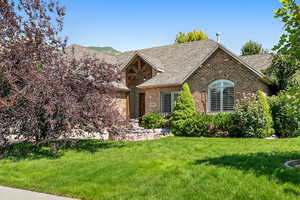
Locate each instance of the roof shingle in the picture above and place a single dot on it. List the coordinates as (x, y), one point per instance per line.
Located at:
(176, 61)
(258, 61)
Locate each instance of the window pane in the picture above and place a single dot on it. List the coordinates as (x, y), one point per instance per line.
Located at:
(227, 84)
(215, 100)
(176, 96)
(228, 99)
(166, 103)
(217, 84)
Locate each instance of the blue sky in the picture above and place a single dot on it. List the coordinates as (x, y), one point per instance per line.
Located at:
(131, 24)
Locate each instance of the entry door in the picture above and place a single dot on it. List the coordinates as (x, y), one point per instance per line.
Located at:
(141, 104)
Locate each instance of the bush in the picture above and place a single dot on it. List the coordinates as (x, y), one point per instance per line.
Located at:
(223, 122)
(285, 116)
(253, 118)
(184, 108)
(154, 120)
(202, 125)
(265, 110)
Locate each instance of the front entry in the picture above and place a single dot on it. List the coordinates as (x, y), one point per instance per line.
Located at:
(141, 104)
(137, 72)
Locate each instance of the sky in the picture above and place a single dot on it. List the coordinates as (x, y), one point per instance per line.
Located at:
(131, 24)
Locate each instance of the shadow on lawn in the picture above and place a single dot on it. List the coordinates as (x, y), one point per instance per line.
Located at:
(268, 164)
(21, 151)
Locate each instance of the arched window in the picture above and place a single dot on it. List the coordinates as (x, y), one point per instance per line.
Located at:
(221, 96)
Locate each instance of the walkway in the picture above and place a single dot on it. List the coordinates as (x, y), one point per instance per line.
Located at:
(17, 194)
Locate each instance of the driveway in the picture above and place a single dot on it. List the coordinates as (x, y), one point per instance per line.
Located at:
(7, 193)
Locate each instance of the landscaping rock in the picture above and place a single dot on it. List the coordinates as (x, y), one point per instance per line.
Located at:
(273, 137)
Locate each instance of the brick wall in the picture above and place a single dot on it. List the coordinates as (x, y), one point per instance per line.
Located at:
(219, 66)
(222, 66)
(152, 98)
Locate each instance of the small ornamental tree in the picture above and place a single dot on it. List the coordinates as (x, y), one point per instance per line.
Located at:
(190, 36)
(251, 48)
(184, 108)
(45, 94)
(266, 113)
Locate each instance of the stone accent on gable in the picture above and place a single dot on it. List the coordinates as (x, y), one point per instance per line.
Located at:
(222, 66)
(152, 98)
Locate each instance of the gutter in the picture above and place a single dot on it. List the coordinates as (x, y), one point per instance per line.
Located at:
(159, 85)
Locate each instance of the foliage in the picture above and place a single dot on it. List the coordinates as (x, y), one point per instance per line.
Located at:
(296, 78)
(204, 125)
(283, 71)
(195, 126)
(154, 120)
(294, 101)
(290, 16)
(223, 122)
(286, 114)
(251, 48)
(252, 117)
(190, 36)
(44, 94)
(265, 110)
(184, 108)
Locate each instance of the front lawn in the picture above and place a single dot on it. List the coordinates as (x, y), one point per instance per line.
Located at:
(170, 168)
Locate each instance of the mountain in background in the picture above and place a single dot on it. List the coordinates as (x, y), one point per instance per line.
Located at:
(107, 50)
(107, 54)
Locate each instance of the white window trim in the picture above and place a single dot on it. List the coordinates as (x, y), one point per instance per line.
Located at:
(172, 100)
(221, 95)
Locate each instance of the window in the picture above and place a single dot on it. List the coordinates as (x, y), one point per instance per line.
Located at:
(166, 101)
(221, 96)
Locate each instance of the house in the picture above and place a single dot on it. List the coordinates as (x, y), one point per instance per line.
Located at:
(153, 77)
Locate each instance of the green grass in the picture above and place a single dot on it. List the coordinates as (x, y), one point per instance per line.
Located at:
(170, 168)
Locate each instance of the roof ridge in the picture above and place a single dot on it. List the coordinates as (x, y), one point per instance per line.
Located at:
(259, 54)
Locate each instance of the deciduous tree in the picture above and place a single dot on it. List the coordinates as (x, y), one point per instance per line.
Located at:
(289, 42)
(283, 71)
(45, 94)
(190, 36)
(251, 48)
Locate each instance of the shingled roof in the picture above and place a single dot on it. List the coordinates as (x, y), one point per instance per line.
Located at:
(259, 61)
(174, 62)
(178, 61)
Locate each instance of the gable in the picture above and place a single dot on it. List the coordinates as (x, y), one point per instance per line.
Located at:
(221, 65)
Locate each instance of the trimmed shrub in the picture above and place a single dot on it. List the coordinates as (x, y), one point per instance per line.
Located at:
(184, 108)
(195, 126)
(286, 114)
(252, 118)
(223, 122)
(202, 125)
(154, 120)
